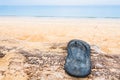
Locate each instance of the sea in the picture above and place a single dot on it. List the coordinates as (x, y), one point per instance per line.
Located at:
(84, 11)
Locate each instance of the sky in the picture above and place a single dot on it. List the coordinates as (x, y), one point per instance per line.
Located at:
(59, 2)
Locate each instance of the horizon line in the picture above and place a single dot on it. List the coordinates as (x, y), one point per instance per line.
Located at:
(66, 5)
(59, 16)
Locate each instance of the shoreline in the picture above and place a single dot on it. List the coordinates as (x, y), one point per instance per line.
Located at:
(60, 17)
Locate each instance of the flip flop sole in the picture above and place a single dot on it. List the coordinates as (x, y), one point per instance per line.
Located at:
(78, 62)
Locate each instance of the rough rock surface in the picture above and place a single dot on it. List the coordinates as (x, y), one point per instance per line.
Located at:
(23, 64)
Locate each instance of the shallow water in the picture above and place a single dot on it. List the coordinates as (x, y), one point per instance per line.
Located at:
(110, 11)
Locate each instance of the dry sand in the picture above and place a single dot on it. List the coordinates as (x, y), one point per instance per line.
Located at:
(34, 48)
(33, 31)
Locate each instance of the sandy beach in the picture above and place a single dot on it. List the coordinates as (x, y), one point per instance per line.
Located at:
(34, 48)
(34, 31)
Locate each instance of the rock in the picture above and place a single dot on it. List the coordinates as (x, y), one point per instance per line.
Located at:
(1, 55)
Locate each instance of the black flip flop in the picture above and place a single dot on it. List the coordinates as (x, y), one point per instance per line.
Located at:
(78, 62)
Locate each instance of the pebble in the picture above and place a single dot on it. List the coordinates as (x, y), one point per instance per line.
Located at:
(98, 65)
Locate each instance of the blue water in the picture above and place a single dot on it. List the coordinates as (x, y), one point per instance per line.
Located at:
(112, 11)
